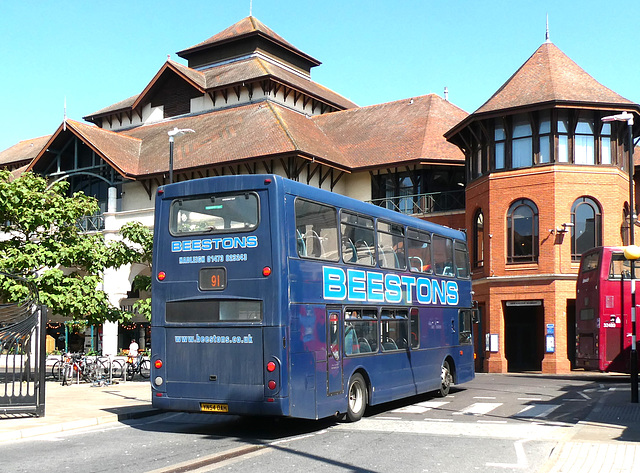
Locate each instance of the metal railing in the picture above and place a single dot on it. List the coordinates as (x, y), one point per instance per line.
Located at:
(423, 203)
(91, 223)
(22, 357)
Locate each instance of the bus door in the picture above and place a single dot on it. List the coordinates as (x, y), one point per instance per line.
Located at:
(334, 351)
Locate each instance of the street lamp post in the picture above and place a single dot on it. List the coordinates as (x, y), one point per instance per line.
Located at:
(632, 253)
(172, 134)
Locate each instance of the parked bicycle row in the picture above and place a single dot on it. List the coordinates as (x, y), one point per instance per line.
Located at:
(77, 367)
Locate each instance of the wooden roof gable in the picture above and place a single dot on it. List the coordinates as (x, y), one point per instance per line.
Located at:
(120, 151)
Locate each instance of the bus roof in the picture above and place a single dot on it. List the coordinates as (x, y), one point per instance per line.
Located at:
(229, 183)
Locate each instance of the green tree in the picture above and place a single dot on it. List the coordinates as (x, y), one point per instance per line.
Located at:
(39, 237)
(136, 246)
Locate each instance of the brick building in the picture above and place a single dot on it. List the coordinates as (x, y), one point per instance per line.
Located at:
(546, 181)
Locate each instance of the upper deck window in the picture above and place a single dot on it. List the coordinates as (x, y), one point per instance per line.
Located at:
(229, 213)
(357, 239)
(316, 230)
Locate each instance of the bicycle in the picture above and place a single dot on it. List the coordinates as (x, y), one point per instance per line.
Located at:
(85, 368)
(138, 365)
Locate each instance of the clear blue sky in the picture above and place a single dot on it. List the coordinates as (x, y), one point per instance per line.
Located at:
(98, 53)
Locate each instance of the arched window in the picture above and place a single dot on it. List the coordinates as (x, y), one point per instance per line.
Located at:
(478, 240)
(522, 232)
(586, 232)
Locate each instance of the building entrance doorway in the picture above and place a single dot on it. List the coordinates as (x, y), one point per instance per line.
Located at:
(523, 329)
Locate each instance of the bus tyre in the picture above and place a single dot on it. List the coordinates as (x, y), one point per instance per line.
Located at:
(356, 397)
(447, 379)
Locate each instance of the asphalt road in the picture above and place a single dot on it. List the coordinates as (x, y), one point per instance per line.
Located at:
(498, 423)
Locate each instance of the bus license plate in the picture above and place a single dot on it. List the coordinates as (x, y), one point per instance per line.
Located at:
(207, 407)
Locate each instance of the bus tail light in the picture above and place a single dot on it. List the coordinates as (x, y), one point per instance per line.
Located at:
(272, 377)
(266, 271)
(158, 364)
(161, 275)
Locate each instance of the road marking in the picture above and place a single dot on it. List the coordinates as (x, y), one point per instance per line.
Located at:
(432, 404)
(530, 399)
(484, 397)
(537, 410)
(421, 407)
(521, 457)
(415, 409)
(478, 409)
(584, 395)
(512, 431)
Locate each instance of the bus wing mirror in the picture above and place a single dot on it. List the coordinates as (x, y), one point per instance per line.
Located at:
(475, 316)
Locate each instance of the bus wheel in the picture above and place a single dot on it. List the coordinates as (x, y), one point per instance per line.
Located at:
(447, 379)
(357, 398)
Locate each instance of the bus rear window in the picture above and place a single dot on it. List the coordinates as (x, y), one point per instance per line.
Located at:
(590, 262)
(229, 213)
(207, 311)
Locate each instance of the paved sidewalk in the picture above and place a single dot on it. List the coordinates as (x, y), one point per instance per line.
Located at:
(608, 441)
(78, 406)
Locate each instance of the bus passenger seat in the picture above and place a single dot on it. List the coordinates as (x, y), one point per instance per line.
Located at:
(364, 345)
(389, 344)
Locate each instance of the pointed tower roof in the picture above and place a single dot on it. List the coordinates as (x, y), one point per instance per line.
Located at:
(250, 36)
(547, 76)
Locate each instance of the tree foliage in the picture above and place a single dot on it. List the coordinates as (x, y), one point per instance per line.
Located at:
(39, 237)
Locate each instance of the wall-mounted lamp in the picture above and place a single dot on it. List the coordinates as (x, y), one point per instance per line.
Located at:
(565, 227)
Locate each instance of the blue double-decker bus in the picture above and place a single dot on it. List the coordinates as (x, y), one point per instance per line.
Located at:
(271, 297)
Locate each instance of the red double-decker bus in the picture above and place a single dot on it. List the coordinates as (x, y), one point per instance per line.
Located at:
(603, 310)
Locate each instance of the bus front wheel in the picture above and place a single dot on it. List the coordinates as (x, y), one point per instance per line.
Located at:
(447, 379)
(357, 398)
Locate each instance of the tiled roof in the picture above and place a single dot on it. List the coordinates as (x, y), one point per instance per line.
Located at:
(549, 75)
(228, 137)
(256, 68)
(245, 27)
(408, 130)
(234, 73)
(119, 106)
(23, 151)
(389, 134)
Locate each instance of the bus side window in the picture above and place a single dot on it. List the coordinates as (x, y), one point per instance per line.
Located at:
(393, 329)
(443, 256)
(357, 239)
(360, 332)
(391, 245)
(621, 267)
(316, 230)
(462, 259)
(465, 318)
(415, 328)
(419, 251)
